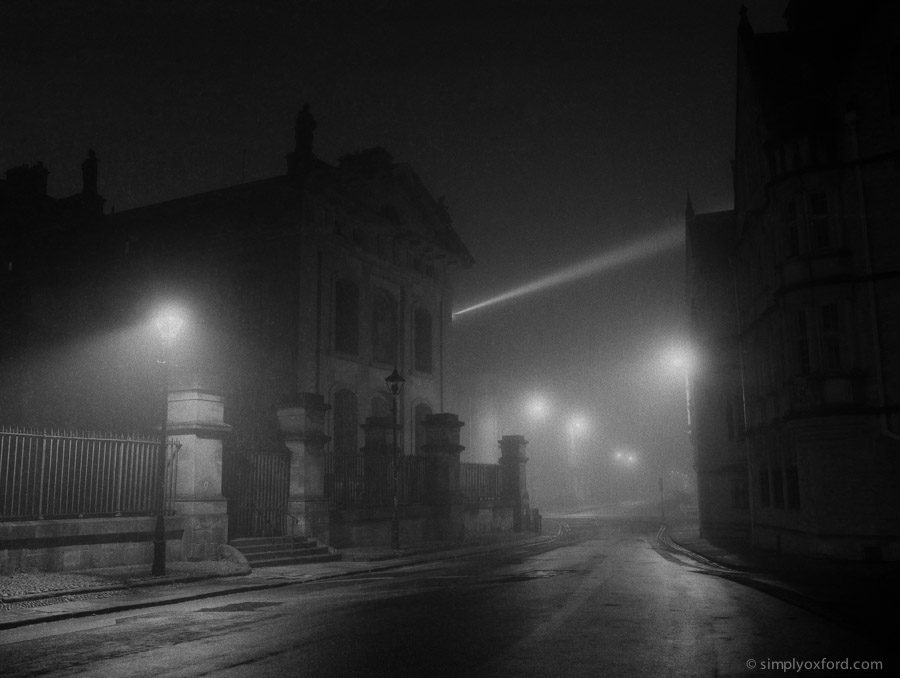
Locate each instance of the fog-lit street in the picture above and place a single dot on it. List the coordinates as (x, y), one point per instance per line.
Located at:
(608, 602)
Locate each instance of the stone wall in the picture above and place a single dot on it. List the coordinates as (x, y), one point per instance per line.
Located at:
(82, 543)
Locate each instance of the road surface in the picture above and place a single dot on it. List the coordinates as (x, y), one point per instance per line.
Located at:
(610, 604)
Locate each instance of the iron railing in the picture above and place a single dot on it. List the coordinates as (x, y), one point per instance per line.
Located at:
(367, 481)
(258, 494)
(67, 474)
(479, 482)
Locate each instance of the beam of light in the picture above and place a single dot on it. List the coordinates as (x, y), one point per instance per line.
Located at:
(660, 241)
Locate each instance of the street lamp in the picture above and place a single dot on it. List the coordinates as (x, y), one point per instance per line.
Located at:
(395, 385)
(168, 323)
(537, 408)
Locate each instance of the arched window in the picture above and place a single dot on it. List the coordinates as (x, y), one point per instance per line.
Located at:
(384, 328)
(346, 317)
(421, 411)
(346, 423)
(422, 339)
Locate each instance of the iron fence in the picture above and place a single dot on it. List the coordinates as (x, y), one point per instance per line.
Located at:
(364, 481)
(479, 482)
(66, 474)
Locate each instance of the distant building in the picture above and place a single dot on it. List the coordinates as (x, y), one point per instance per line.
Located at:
(795, 295)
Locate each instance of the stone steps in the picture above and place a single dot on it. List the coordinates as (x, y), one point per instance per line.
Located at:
(272, 551)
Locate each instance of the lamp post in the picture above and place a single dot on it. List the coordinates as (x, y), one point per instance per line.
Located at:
(168, 324)
(395, 384)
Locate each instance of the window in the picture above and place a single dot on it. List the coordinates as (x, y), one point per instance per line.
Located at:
(764, 493)
(422, 340)
(793, 229)
(803, 363)
(384, 328)
(895, 80)
(819, 223)
(739, 495)
(777, 488)
(346, 423)
(346, 317)
(792, 477)
(831, 336)
(729, 417)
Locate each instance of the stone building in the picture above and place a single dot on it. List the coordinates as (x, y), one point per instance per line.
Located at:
(794, 296)
(301, 293)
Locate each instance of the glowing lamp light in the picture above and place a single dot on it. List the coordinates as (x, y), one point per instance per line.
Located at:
(537, 408)
(625, 457)
(169, 323)
(680, 358)
(578, 424)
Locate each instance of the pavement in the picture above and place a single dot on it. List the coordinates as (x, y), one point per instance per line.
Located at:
(28, 598)
(849, 593)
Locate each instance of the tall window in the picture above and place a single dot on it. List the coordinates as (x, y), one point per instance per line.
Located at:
(819, 223)
(765, 495)
(803, 363)
(346, 317)
(793, 229)
(792, 476)
(831, 337)
(739, 496)
(729, 418)
(384, 328)
(346, 423)
(777, 487)
(422, 340)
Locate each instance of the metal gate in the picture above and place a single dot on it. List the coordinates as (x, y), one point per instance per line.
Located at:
(257, 485)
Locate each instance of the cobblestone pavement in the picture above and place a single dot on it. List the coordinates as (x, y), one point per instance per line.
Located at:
(30, 588)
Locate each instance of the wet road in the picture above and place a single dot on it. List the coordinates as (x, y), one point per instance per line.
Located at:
(610, 604)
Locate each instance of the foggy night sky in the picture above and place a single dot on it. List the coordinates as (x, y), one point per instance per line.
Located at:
(556, 131)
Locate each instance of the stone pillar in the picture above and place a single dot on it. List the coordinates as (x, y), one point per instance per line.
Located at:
(441, 451)
(195, 421)
(512, 478)
(302, 425)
